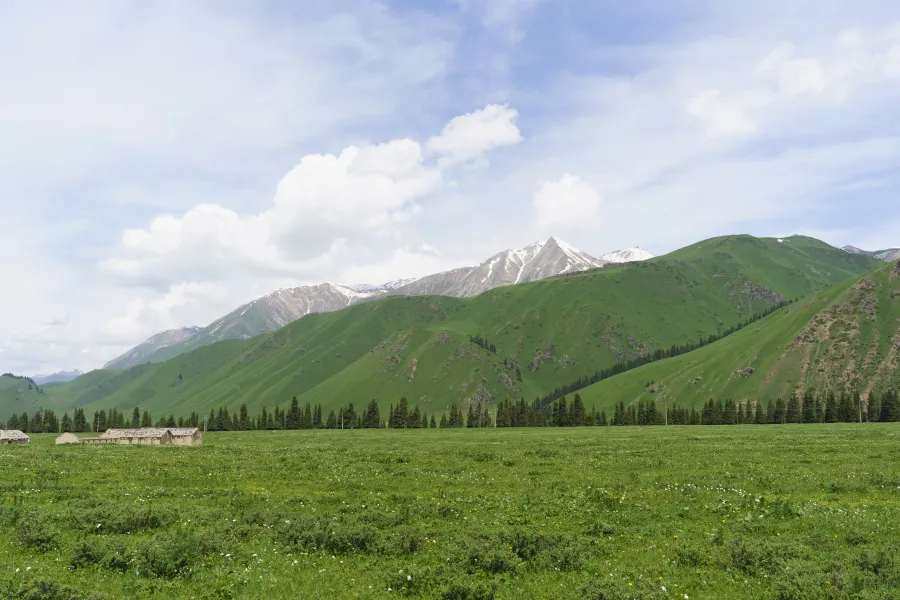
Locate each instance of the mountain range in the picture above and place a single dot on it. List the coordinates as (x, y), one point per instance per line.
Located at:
(142, 352)
(60, 377)
(888, 255)
(527, 340)
(537, 261)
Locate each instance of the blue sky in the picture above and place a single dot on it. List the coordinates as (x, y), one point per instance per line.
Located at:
(161, 163)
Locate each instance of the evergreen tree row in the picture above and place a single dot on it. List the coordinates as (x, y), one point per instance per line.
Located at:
(799, 408)
(477, 339)
(659, 354)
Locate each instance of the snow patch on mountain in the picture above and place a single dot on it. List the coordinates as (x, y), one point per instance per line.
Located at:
(627, 255)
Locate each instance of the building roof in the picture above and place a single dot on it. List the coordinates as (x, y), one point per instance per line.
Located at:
(183, 431)
(12, 434)
(135, 433)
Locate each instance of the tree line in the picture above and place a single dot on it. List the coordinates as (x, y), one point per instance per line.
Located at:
(481, 341)
(808, 407)
(659, 354)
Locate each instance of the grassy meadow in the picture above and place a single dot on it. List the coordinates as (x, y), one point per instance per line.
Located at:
(781, 512)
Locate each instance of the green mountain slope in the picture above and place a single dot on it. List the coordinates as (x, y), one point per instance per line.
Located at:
(843, 339)
(18, 395)
(550, 332)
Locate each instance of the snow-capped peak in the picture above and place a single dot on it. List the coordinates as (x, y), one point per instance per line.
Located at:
(627, 255)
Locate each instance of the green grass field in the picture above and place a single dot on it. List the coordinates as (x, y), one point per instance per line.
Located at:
(781, 512)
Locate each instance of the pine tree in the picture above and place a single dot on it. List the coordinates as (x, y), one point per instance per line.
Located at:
(729, 416)
(831, 408)
(331, 423)
(809, 408)
(890, 407)
(845, 409)
(244, 421)
(401, 414)
(578, 416)
(778, 413)
(873, 408)
(373, 416)
(433, 425)
(793, 414)
(444, 422)
(136, 418)
(414, 421)
(759, 414)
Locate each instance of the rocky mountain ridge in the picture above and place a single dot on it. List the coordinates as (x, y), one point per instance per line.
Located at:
(536, 261)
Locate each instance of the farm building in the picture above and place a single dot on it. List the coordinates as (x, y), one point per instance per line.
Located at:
(159, 436)
(143, 437)
(186, 436)
(13, 436)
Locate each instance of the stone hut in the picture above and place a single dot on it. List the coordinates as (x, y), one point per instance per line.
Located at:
(142, 437)
(68, 438)
(13, 436)
(186, 436)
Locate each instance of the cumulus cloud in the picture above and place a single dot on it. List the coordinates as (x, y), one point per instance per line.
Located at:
(320, 206)
(467, 138)
(856, 58)
(566, 205)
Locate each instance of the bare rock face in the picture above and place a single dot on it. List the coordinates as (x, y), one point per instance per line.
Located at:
(887, 255)
(531, 263)
(897, 268)
(140, 353)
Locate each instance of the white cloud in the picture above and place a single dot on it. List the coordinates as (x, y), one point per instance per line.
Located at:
(467, 138)
(322, 205)
(566, 205)
(855, 58)
(342, 217)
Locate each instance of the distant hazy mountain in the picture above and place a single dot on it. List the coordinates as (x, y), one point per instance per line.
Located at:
(61, 377)
(888, 255)
(140, 353)
(627, 255)
(438, 284)
(273, 311)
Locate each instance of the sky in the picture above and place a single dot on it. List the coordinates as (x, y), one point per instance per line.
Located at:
(163, 162)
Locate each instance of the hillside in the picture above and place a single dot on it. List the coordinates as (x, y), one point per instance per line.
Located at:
(549, 332)
(842, 339)
(142, 352)
(18, 395)
(266, 314)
